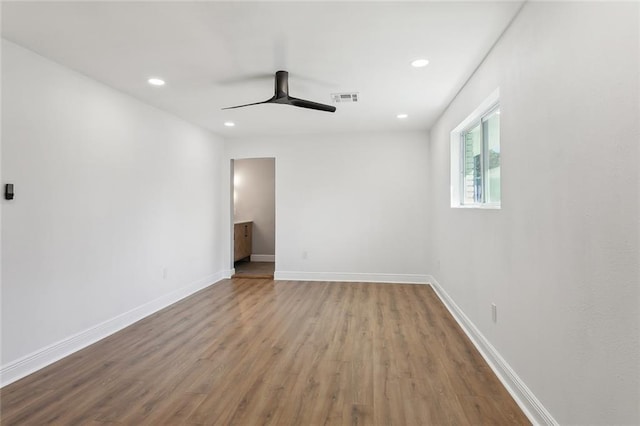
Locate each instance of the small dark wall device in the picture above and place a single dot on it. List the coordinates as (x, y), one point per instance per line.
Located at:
(8, 191)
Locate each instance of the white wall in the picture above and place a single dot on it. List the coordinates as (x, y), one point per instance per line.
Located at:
(255, 200)
(354, 204)
(560, 259)
(109, 192)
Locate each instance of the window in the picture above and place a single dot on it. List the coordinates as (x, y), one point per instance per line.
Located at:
(475, 158)
(480, 156)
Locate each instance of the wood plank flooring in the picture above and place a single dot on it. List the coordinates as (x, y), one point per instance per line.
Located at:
(259, 352)
(245, 269)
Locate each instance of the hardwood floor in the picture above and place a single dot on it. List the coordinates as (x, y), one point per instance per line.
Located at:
(251, 352)
(246, 269)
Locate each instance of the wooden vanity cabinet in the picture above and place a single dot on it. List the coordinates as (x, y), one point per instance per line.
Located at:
(242, 240)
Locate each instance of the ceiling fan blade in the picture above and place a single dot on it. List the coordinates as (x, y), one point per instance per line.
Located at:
(281, 96)
(246, 105)
(310, 104)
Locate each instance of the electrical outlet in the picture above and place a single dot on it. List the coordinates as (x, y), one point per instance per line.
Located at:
(305, 255)
(165, 273)
(494, 312)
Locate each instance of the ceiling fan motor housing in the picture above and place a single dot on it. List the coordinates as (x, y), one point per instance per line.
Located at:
(282, 84)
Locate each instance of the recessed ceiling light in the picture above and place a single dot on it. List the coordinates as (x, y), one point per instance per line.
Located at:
(229, 123)
(401, 116)
(419, 63)
(155, 82)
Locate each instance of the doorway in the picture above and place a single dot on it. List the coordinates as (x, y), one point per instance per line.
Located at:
(254, 217)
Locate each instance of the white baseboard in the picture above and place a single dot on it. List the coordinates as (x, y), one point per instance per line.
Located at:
(263, 257)
(523, 396)
(41, 358)
(351, 277)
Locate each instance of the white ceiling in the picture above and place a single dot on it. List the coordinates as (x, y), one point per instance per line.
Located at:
(218, 54)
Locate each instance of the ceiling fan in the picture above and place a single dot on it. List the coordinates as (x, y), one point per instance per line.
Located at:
(281, 96)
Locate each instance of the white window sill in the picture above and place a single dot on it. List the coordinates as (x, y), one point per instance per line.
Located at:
(477, 206)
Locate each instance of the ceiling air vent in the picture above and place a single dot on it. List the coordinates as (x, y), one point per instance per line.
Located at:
(344, 97)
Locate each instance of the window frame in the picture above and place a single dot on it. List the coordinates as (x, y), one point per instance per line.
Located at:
(477, 118)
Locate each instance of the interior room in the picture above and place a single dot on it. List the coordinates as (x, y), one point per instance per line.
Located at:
(447, 209)
(254, 217)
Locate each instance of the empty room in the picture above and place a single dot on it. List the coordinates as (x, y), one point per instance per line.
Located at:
(320, 213)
